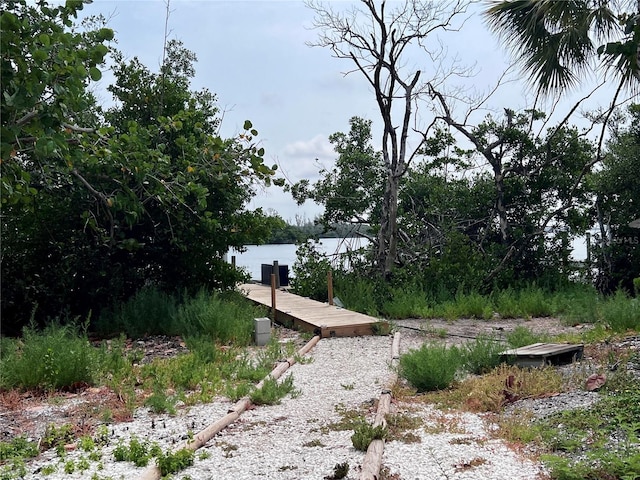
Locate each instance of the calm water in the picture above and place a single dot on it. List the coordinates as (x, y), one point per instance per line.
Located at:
(285, 254)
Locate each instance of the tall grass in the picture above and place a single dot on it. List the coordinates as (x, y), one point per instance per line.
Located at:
(148, 312)
(60, 356)
(620, 312)
(225, 318)
(431, 367)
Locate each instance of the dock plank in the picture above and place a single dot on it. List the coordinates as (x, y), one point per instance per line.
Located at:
(313, 316)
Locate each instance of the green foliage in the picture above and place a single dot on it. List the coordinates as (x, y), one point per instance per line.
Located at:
(160, 402)
(273, 391)
(223, 317)
(522, 336)
(616, 415)
(365, 433)
(174, 462)
(138, 452)
(18, 447)
(310, 273)
(482, 354)
(57, 357)
(149, 312)
(620, 313)
(58, 436)
(97, 205)
(432, 367)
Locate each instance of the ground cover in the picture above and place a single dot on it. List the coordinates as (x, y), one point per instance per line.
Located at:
(156, 365)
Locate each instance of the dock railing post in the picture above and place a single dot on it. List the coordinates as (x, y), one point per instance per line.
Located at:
(273, 298)
(233, 261)
(276, 272)
(330, 286)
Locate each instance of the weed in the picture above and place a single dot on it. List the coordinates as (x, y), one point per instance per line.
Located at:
(160, 402)
(432, 367)
(365, 433)
(174, 462)
(482, 355)
(58, 357)
(48, 470)
(149, 312)
(272, 391)
(620, 313)
(348, 386)
(58, 436)
(137, 452)
(400, 426)
(19, 447)
(522, 336)
(314, 443)
(340, 470)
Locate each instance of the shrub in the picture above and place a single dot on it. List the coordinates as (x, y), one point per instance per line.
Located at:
(432, 367)
(310, 272)
(226, 318)
(522, 336)
(365, 433)
(149, 312)
(57, 357)
(620, 312)
(482, 355)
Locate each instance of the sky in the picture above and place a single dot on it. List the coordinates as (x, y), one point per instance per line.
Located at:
(254, 56)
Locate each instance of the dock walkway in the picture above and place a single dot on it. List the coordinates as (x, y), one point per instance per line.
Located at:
(313, 316)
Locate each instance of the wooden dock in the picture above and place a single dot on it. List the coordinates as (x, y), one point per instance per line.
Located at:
(311, 316)
(540, 354)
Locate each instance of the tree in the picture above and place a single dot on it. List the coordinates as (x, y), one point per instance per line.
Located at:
(351, 190)
(559, 42)
(95, 205)
(617, 186)
(378, 41)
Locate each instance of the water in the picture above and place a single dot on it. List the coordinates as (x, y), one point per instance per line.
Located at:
(285, 254)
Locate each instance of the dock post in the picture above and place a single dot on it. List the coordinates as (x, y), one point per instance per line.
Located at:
(273, 297)
(233, 261)
(330, 286)
(276, 272)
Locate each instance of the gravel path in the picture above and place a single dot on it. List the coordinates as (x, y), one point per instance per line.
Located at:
(301, 438)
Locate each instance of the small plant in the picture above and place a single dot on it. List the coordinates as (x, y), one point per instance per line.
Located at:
(272, 392)
(340, 470)
(522, 336)
(137, 452)
(19, 447)
(58, 436)
(160, 402)
(432, 367)
(174, 462)
(313, 443)
(482, 355)
(365, 433)
(348, 386)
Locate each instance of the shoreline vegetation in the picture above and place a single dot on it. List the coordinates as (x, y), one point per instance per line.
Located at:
(288, 233)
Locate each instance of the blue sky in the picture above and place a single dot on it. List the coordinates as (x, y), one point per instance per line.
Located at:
(253, 56)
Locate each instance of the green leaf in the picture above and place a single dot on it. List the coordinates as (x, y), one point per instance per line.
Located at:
(247, 125)
(44, 39)
(95, 74)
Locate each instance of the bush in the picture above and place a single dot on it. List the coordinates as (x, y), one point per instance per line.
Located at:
(620, 312)
(432, 367)
(223, 317)
(310, 273)
(522, 336)
(149, 312)
(482, 355)
(57, 357)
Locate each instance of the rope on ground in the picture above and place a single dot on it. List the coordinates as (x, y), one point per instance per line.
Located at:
(373, 458)
(202, 437)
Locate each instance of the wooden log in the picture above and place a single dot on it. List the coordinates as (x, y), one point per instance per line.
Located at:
(372, 461)
(202, 437)
(373, 458)
(330, 286)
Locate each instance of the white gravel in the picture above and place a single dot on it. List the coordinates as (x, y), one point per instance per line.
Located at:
(295, 440)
